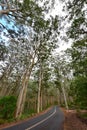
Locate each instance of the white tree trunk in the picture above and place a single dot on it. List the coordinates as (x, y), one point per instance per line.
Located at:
(41, 102)
(22, 94)
(58, 92)
(65, 99)
(39, 93)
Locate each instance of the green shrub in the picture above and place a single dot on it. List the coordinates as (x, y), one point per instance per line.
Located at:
(7, 107)
(78, 89)
(82, 115)
(2, 121)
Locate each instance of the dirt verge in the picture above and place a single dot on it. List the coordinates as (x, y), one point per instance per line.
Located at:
(73, 122)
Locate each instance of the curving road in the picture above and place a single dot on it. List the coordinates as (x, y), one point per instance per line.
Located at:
(51, 120)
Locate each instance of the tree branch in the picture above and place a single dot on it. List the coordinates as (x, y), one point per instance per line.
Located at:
(3, 5)
(7, 11)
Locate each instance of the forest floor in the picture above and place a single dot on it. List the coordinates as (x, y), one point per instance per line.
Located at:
(73, 121)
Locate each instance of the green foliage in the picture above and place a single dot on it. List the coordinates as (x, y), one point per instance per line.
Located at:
(83, 115)
(79, 91)
(32, 14)
(28, 113)
(77, 14)
(7, 107)
(2, 121)
(78, 53)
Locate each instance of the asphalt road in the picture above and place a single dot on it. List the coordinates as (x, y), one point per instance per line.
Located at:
(51, 120)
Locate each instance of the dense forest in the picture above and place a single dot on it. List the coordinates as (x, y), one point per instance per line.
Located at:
(34, 75)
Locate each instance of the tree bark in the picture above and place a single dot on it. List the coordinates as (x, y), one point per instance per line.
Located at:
(4, 80)
(58, 92)
(65, 99)
(39, 93)
(22, 94)
(41, 101)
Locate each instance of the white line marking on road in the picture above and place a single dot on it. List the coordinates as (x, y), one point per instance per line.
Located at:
(41, 121)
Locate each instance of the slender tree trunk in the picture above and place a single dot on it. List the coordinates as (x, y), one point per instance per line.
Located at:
(35, 103)
(41, 101)
(44, 100)
(22, 94)
(39, 93)
(58, 92)
(65, 99)
(4, 84)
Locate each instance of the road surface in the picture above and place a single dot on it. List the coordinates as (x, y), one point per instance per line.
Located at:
(51, 120)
